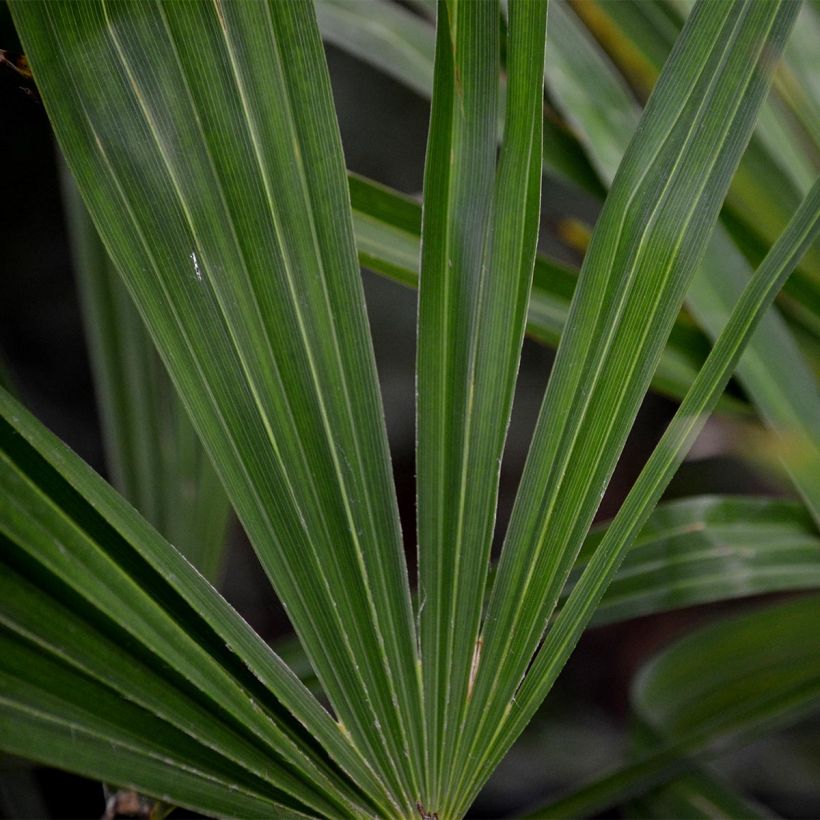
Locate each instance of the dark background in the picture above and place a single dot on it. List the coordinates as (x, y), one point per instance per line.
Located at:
(582, 729)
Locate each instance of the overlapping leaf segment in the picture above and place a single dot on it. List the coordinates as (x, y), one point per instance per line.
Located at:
(204, 142)
(689, 702)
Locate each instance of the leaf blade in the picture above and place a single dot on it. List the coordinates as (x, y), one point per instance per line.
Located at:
(277, 370)
(98, 561)
(708, 548)
(772, 682)
(478, 251)
(785, 398)
(667, 456)
(152, 451)
(590, 401)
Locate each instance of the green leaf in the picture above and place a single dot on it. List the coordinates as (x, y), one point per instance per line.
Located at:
(387, 226)
(661, 466)
(786, 398)
(692, 551)
(479, 235)
(204, 142)
(590, 93)
(605, 117)
(153, 455)
(90, 586)
(764, 193)
(765, 654)
(697, 796)
(798, 92)
(789, 124)
(638, 37)
(705, 549)
(719, 687)
(384, 234)
(648, 240)
(402, 45)
(84, 727)
(388, 36)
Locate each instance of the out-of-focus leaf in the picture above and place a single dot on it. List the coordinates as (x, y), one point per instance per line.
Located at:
(697, 796)
(388, 36)
(717, 688)
(786, 398)
(638, 35)
(766, 656)
(706, 549)
(153, 454)
(798, 90)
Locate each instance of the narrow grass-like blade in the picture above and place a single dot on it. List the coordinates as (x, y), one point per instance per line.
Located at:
(391, 252)
(789, 124)
(692, 551)
(650, 236)
(479, 235)
(153, 454)
(73, 722)
(664, 461)
(387, 226)
(606, 116)
(717, 688)
(402, 45)
(203, 139)
(90, 583)
(639, 36)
